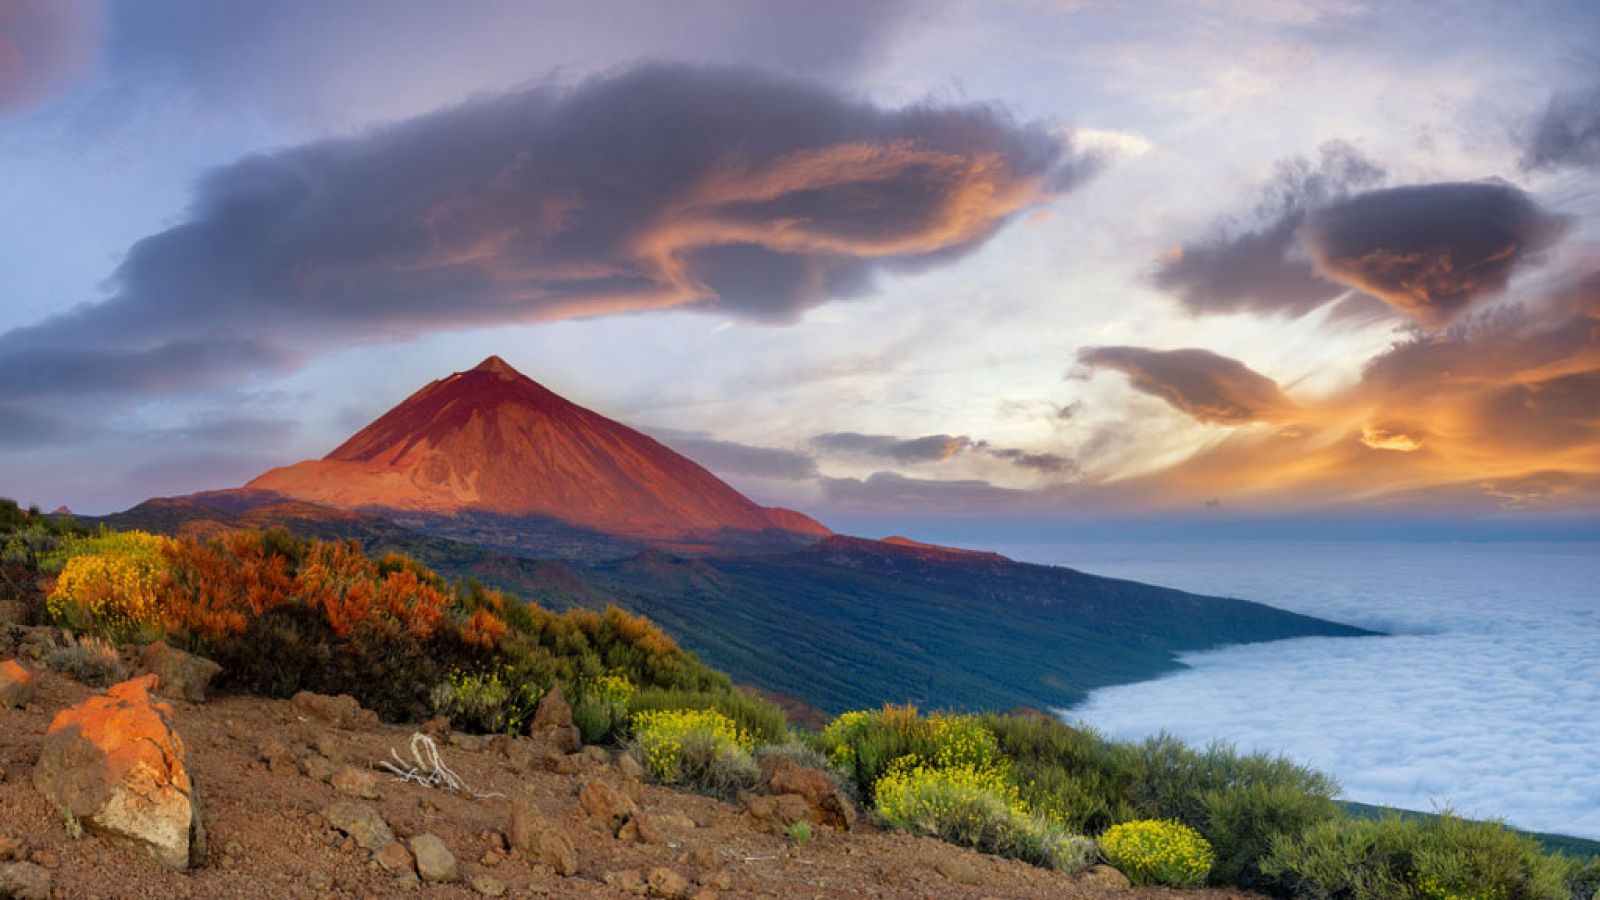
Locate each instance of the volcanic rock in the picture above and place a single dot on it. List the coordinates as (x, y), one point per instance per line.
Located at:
(16, 684)
(182, 675)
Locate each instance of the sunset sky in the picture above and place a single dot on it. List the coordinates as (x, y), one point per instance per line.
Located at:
(1038, 262)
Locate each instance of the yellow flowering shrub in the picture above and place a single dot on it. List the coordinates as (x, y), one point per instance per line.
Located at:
(1155, 852)
(1434, 888)
(661, 735)
(613, 690)
(111, 584)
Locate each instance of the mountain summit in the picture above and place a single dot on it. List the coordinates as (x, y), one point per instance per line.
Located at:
(493, 440)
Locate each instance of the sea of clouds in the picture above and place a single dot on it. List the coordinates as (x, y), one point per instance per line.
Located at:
(1485, 698)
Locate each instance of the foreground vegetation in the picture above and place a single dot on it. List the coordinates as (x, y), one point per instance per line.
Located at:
(283, 613)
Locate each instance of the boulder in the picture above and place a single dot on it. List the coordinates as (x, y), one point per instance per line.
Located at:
(552, 723)
(540, 840)
(24, 881)
(605, 804)
(361, 822)
(655, 827)
(776, 813)
(435, 863)
(182, 675)
(341, 712)
(488, 886)
(394, 857)
(115, 763)
(17, 686)
(664, 882)
(627, 881)
(829, 804)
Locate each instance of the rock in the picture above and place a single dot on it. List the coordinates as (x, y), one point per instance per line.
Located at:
(183, 675)
(115, 763)
(552, 723)
(435, 863)
(655, 827)
(488, 886)
(394, 857)
(24, 881)
(628, 881)
(10, 848)
(361, 822)
(829, 805)
(472, 743)
(341, 712)
(957, 869)
(777, 813)
(329, 745)
(17, 686)
(356, 782)
(437, 728)
(319, 768)
(46, 859)
(604, 803)
(277, 755)
(540, 840)
(627, 765)
(1106, 878)
(597, 756)
(664, 882)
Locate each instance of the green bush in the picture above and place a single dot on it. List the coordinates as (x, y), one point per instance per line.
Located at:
(762, 720)
(863, 745)
(493, 701)
(1394, 858)
(698, 749)
(1156, 852)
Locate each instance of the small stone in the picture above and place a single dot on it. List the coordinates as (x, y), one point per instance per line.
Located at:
(492, 858)
(777, 813)
(17, 686)
(722, 880)
(601, 801)
(437, 728)
(46, 859)
(319, 880)
(341, 712)
(435, 863)
(237, 730)
(539, 840)
(329, 745)
(629, 766)
(664, 882)
(394, 857)
(24, 881)
(319, 768)
(10, 848)
(488, 885)
(361, 822)
(356, 782)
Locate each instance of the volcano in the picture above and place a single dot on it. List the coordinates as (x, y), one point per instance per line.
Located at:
(491, 440)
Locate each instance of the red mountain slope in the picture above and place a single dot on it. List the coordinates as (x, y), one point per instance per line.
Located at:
(493, 440)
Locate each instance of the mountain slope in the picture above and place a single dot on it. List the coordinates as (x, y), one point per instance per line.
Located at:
(492, 441)
(843, 624)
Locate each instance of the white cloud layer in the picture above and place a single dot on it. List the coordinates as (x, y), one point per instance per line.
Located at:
(1485, 700)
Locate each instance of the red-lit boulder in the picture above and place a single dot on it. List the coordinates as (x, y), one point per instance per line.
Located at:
(16, 685)
(115, 764)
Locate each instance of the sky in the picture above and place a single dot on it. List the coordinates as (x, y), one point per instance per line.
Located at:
(1052, 264)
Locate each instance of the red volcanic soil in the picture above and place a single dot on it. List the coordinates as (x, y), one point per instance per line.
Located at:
(493, 440)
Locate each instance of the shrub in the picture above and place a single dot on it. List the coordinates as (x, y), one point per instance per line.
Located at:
(90, 660)
(700, 749)
(799, 832)
(762, 720)
(600, 707)
(864, 745)
(110, 585)
(1393, 857)
(976, 808)
(488, 701)
(1154, 852)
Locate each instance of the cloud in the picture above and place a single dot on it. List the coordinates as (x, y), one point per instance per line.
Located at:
(929, 448)
(893, 492)
(44, 44)
(732, 458)
(720, 190)
(1567, 133)
(1486, 651)
(1203, 385)
(1254, 264)
(1430, 251)
(937, 448)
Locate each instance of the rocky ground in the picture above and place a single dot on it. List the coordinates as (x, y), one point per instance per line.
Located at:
(293, 807)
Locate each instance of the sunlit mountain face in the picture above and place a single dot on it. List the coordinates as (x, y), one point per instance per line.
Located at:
(942, 268)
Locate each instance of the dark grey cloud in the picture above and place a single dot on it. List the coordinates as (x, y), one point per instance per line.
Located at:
(936, 448)
(893, 492)
(722, 190)
(1567, 133)
(1430, 251)
(928, 448)
(43, 45)
(1204, 385)
(1254, 263)
(733, 458)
